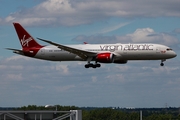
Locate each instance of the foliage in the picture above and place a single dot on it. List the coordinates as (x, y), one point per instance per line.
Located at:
(91, 113)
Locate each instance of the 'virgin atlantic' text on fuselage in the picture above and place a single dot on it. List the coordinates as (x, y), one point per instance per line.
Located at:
(134, 47)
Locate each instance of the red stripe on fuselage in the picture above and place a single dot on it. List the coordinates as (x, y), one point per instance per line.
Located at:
(31, 52)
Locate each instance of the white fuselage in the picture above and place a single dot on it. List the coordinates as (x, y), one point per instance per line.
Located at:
(121, 52)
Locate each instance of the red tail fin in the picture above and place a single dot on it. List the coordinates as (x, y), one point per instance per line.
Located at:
(26, 40)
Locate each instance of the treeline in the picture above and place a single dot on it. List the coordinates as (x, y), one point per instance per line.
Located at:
(130, 114)
(93, 113)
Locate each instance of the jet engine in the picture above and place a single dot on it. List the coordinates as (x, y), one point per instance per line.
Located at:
(105, 57)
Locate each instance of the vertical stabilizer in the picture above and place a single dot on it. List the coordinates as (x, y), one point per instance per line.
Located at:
(26, 40)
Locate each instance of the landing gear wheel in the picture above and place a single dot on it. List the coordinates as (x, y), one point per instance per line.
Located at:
(92, 65)
(86, 66)
(162, 64)
(98, 65)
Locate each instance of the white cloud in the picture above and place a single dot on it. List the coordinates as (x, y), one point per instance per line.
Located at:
(55, 7)
(16, 77)
(63, 69)
(177, 31)
(37, 79)
(115, 78)
(149, 35)
(141, 35)
(17, 57)
(77, 12)
(64, 88)
(168, 70)
(9, 19)
(94, 79)
(37, 87)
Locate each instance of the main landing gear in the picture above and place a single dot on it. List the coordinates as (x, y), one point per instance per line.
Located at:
(92, 65)
(162, 64)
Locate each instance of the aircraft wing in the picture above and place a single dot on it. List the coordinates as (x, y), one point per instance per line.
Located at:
(81, 53)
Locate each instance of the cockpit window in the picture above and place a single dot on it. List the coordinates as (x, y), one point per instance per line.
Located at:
(168, 49)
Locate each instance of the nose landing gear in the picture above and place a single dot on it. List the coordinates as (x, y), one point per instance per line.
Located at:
(162, 64)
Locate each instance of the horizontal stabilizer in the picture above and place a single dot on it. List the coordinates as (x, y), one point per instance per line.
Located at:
(16, 50)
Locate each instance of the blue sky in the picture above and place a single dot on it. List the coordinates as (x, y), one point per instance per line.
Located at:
(26, 81)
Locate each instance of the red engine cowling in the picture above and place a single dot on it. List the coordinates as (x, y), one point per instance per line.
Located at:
(105, 57)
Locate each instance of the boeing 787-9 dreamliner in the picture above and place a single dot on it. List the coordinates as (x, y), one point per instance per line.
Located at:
(99, 53)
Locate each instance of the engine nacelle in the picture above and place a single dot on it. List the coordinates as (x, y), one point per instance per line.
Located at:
(120, 61)
(105, 57)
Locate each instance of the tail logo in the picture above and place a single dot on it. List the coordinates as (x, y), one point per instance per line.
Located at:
(25, 42)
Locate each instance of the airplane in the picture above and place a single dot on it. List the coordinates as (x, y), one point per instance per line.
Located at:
(98, 53)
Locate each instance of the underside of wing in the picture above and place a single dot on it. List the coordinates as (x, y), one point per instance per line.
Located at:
(81, 53)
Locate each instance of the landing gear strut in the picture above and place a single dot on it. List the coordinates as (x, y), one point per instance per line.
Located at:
(162, 64)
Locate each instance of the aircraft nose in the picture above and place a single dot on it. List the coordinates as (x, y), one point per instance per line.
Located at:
(173, 54)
